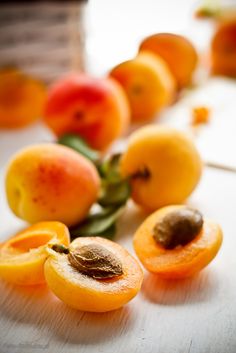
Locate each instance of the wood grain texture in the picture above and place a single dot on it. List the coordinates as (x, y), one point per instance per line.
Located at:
(196, 315)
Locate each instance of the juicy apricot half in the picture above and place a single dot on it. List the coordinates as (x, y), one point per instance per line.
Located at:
(183, 260)
(22, 257)
(83, 292)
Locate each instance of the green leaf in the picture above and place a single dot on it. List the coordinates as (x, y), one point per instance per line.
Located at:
(114, 193)
(97, 224)
(79, 145)
(110, 168)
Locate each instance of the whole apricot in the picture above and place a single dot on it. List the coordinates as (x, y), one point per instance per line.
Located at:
(51, 182)
(178, 53)
(97, 275)
(22, 257)
(184, 260)
(22, 99)
(148, 83)
(96, 109)
(163, 165)
(223, 49)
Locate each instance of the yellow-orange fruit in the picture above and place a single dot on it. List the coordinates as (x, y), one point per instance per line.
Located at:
(177, 51)
(85, 293)
(148, 83)
(96, 109)
(223, 49)
(182, 261)
(51, 182)
(22, 257)
(22, 99)
(163, 165)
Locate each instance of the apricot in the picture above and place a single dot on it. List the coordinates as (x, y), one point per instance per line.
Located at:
(49, 182)
(183, 260)
(178, 53)
(163, 165)
(223, 49)
(96, 109)
(22, 99)
(96, 290)
(22, 257)
(148, 84)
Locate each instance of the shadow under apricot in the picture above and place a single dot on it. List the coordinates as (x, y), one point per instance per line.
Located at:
(38, 307)
(199, 288)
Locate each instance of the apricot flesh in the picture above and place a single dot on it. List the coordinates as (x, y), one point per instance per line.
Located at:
(22, 257)
(163, 165)
(182, 261)
(48, 182)
(96, 109)
(85, 293)
(148, 83)
(178, 53)
(22, 99)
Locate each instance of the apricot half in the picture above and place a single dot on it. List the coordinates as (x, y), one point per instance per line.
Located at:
(178, 53)
(49, 182)
(148, 83)
(183, 260)
(22, 257)
(22, 98)
(163, 166)
(83, 292)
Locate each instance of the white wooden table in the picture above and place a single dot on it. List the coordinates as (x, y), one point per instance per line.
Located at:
(197, 315)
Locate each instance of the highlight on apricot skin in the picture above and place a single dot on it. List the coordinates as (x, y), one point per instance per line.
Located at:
(84, 292)
(148, 83)
(183, 260)
(22, 257)
(50, 182)
(223, 49)
(178, 53)
(22, 98)
(94, 108)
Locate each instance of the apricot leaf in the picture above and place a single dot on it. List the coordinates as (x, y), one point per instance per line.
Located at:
(100, 225)
(79, 145)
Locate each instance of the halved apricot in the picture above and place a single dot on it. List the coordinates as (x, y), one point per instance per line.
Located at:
(22, 257)
(183, 260)
(92, 292)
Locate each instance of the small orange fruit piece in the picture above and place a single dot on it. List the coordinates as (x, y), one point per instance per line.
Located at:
(86, 293)
(22, 257)
(183, 260)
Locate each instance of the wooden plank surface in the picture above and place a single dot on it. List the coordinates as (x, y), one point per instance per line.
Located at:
(192, 316)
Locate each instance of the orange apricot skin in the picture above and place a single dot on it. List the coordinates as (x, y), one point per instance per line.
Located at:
(223, 49)
(96, 109)
(148, 83)
(84, 293)
(22, 257)
(49, 182)
(22, 99)
(181, 262)
(177, 51)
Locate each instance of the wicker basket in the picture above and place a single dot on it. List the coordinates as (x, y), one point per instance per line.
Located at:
(43, 39)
